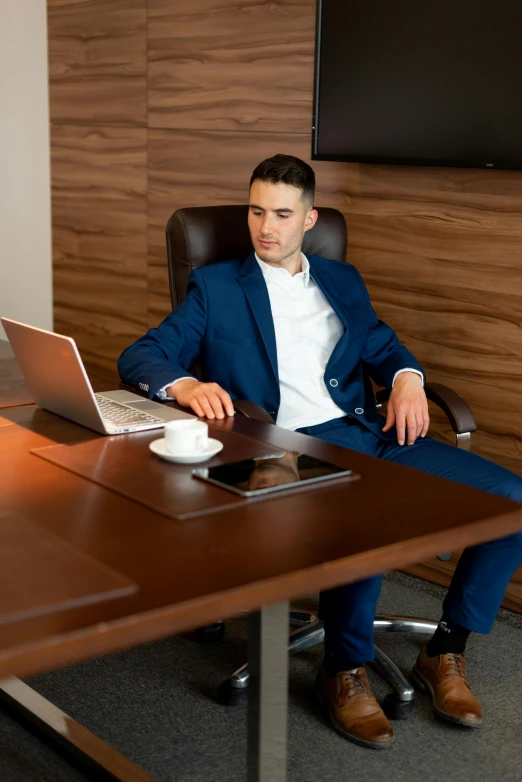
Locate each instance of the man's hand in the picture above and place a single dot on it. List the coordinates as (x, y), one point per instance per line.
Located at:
(408, 408)
(206, 399)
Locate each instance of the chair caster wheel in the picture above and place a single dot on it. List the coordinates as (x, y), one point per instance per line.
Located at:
(208, 634)
(300, 618)
(396, 709)
(231, 696)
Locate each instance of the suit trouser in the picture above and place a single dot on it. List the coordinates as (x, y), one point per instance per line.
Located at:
(483, 571)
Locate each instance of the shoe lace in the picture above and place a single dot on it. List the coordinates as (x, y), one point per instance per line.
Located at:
(355, 682)
(456, 665)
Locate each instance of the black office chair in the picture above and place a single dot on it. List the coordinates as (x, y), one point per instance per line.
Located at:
(197, 236)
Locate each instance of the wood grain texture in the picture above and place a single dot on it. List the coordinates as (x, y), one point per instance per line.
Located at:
(229, 82)
(207, 168)
(97, 61)
(118, 464)
(13, 390)
(233, 65)
(198, 168)
(99, 237)
(191, 573)
(28, 554)
(453, 295)
(438, 249)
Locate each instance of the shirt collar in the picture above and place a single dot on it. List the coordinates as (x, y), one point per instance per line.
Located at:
(270, 271)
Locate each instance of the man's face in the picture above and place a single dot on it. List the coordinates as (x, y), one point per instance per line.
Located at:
(274, 471)
(278, 219)
(265, 475)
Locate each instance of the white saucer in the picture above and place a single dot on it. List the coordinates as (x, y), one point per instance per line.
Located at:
(213, 447)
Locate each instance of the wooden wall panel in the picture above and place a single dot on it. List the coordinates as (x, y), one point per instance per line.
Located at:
(453, 294)
(198, 168)
(440, 258)
(99, 237)
(206, 168)
(229, 82)
(97, 61)
(233, 65)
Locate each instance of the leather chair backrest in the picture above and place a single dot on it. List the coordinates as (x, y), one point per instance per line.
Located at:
(200, 235)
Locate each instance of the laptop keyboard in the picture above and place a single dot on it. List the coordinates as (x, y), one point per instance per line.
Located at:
(120, 415)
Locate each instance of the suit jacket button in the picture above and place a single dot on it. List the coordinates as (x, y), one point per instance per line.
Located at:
(359, 410)
(333, 382)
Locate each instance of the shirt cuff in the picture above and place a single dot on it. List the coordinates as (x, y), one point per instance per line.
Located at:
(407, 369)
(162, 393)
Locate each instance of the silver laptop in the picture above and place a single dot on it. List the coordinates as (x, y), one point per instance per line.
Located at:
(56, 378)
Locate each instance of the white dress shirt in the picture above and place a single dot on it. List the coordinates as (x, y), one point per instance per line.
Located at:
(306, 331)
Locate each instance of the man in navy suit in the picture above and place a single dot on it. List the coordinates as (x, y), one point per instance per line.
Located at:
(299, 337)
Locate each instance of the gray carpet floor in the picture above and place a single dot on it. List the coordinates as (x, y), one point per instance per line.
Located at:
(156, 704)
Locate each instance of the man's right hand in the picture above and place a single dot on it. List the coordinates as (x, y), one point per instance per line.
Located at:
(206, 399)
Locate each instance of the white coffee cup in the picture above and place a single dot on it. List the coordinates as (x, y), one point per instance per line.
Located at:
(186, 437)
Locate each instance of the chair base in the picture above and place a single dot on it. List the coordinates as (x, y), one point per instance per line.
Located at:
(397, 704)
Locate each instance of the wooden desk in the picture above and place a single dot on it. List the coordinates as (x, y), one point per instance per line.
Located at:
(13, 390)
(193, 570)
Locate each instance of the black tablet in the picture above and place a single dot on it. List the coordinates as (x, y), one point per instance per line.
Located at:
(267, 474)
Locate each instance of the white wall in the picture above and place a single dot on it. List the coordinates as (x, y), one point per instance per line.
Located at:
(25, 208)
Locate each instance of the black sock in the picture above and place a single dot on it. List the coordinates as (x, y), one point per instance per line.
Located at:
(334, 665)
(448, 638)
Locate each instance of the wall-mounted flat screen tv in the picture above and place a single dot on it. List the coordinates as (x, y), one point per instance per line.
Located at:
(425, 82)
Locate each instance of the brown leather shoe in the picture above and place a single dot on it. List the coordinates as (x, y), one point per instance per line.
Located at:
(444, 677)
(353, 708)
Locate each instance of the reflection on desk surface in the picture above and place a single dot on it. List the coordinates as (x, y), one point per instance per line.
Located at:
(273, 471)
(269, 473)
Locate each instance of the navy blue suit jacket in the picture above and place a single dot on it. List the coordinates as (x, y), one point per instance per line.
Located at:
(225, 320)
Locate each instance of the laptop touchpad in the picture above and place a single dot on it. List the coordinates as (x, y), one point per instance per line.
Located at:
(146, 405)
(159, 410)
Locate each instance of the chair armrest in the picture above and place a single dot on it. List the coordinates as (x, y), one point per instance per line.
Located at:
(459, 413)
(452, 404)
(251, 410)
(382, 396)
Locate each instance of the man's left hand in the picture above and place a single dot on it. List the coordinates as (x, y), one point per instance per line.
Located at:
(408, 408)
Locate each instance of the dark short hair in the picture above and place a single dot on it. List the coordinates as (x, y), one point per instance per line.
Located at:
(290, 170)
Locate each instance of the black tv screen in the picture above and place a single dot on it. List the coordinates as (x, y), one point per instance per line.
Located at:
(427, 82)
